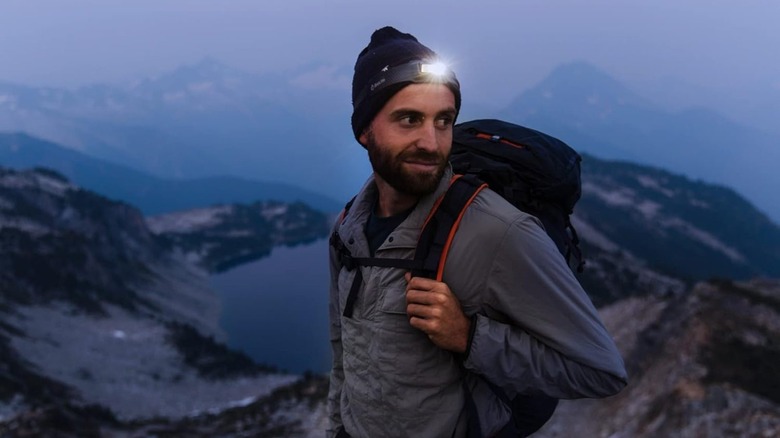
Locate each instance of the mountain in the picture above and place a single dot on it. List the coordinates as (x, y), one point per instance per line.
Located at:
(153, 195)
(204, 120)
(595, 113)
(221, 237)
(699, 364)
(104, 326)
(649, 230)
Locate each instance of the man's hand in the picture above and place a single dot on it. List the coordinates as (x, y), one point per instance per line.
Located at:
(433, 308)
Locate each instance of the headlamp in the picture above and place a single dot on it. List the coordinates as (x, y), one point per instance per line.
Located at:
(417, 71)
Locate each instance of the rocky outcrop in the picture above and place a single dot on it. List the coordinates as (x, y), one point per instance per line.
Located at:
(700, 364)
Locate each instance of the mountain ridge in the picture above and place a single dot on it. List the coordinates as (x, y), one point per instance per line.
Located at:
(603, 117)
(154, 195)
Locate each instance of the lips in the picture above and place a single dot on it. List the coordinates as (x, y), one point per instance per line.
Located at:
(422, 165)
(422, 160)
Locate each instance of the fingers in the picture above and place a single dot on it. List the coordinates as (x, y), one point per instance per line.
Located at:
(421, 283)
(424, 311)
(425, 297)
(423, 325)
(434, 309)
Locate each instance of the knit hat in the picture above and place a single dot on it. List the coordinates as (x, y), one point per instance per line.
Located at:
(376, 81)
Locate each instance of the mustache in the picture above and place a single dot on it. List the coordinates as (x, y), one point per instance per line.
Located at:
(422, 156)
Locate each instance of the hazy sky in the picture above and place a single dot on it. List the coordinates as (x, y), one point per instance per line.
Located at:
(728, 45)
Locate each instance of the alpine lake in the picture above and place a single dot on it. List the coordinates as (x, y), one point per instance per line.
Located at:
(275, 309)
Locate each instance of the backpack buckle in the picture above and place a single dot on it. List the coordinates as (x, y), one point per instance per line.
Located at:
(346, 260)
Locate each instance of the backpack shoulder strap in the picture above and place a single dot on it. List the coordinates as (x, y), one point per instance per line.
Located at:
(442, 224)
(435, 238)
(349, 262)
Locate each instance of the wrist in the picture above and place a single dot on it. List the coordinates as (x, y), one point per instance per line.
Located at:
(470, 337)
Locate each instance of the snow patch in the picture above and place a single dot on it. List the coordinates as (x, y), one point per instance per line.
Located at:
(651, 183)
(27, 180)
(705, 238)
(140, 377)
(649, 208)
(52, 185)
(28, 226)
(244, 402)
(592, 235)
(699, 203)
(270, 213)
(622, 197)
(188, 221)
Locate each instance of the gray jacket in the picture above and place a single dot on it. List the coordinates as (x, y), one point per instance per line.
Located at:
(536, 330)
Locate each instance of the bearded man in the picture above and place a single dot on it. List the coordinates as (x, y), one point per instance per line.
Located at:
(416, 357)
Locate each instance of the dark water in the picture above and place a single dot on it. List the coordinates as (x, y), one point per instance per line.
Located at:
(276, 309)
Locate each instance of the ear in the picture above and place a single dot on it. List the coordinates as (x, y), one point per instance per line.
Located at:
(363, 139)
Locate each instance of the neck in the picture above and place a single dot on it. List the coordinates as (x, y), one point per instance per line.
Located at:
(391, 201)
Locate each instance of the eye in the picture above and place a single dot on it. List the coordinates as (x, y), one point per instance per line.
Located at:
(444, 121)
(410, 119)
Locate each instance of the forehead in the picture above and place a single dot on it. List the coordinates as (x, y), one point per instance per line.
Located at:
(425, 98)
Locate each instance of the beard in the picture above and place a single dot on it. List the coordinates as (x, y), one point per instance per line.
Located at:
(391, 168)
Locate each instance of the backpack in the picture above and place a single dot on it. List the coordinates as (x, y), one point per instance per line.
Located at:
(536, 173)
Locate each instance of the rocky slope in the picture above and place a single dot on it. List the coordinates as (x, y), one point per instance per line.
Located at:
(700, 364)
(103, 327)
(647, 230)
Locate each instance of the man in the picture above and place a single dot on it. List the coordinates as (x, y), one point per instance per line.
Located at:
(413, 357)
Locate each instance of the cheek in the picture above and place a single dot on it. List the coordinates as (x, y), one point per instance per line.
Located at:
(444, 141)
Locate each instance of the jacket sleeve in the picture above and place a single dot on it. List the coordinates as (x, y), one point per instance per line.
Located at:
(539, 332)
(335, 426)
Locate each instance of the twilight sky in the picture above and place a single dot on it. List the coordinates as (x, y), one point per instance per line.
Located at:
(724, 45)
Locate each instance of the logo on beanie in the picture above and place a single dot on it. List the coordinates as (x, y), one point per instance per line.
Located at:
(378, 83)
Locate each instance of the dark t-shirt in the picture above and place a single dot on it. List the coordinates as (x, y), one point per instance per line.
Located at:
(378, 228)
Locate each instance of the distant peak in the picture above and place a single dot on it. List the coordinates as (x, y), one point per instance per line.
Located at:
(583, 72)
(579, 83)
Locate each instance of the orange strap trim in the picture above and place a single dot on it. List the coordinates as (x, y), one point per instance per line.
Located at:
(438, 202)
(453, 230)
(500, 139)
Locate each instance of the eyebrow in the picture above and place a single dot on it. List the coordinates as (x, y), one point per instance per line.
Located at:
(409, 111)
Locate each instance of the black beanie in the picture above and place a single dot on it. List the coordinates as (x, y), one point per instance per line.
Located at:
(388, 48)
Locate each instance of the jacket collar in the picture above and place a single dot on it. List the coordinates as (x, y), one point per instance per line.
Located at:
(352, 227)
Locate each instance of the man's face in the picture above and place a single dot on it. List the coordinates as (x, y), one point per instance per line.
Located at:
(409, 140)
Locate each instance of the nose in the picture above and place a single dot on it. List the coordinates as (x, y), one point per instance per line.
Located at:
(428, 138)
